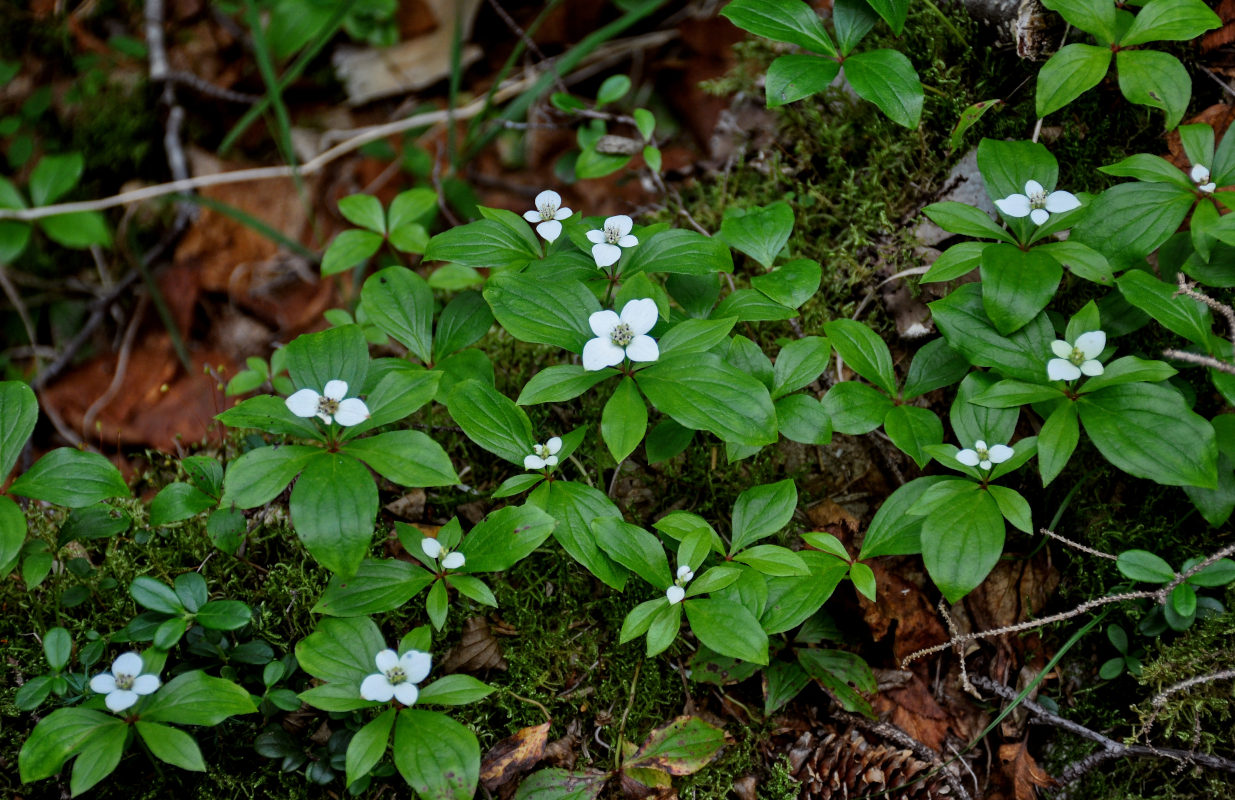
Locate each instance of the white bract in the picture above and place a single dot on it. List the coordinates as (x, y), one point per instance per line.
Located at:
(330, 405)
(548, 213)
(983, 456)
(1077, 359)
(125, 683)
(676, 592)
(1036, 204)
(1200, 176)
(622, 335)
(608, 242)
(433, 549)
(543, 455)
(397, 676)
(453, 560)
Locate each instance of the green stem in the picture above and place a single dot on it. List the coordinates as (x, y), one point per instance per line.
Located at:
(947, 23)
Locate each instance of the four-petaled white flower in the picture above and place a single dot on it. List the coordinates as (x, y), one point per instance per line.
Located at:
(548, 213)
(397, 676)
(608, 243)
(983, 456)
(1200, 176)
(330, 405)
(125, 683)
(622, 336)
(543, 455)
(433, 549)
(676, 592)
(1036, 204)
(1076, 360)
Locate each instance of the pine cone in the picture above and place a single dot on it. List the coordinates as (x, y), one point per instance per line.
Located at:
(838, 766)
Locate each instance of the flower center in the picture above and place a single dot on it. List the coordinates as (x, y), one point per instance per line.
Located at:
(396, 675)
(548, 211)
(622, 335)
(1077, 358)
(540, 450)
(124, 682)
(327, 406)
(612, 234)
(1037, 199)
(983, 453)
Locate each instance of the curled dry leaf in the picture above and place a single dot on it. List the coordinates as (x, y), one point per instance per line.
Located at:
(1027, 777)
(514, 756)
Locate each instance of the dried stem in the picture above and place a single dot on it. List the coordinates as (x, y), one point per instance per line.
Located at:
(1185, 288)
(1077, 545)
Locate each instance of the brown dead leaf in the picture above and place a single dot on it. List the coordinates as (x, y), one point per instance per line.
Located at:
(1027, 777)
(410, 506)
(901, 604)
(645, 783)
(913, 709)
(1225, 34)
(561, 752)
(832, 517)
(514, 756)
(477, 649)
(746, 788)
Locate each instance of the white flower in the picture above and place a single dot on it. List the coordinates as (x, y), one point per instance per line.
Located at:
(453, 560)
(1076, 360)
(684, 574)
(397, 676)
(431, 546)
(1200, 176)
(608, 243)
(543, 455)
(622, 336)
(329, 405)
(1036, 204)
(675, 594)
(983, 456)
(125, 682)
(548, 213)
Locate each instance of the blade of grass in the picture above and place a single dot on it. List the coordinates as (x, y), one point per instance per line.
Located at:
(293, 72)
(563, 65)
(266, 67)
(452, 94)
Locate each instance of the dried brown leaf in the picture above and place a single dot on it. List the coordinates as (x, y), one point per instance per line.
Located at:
(477, 649)
(514, 756)
(1027, 777)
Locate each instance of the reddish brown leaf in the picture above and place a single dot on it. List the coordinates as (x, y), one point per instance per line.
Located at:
(514, 756)
(1025, 773)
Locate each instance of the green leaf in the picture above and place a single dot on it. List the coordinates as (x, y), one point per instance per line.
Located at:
(1013, 506)
(802, 419)
(378, 586)
(400, 392)
(972, 422)
(1079, 260)
(364, 210)
(348, 249)
(782, 20)
(399, 302)
(20, 411)
(368, 746)
(195, 698)
(773, 560)
(893, 530)
(60, 735)
(841, 673)
(57, 647)
(1129, 221)
(155, 595)
(887, 79)
(682, 747)
(1012, 394)
(53, 176)
(1219, 573)
(799, 363)
(171, 745)
(635, 549)
(792, 77)
(268, 413)
(341, 353)
(1170, 20)
(894, 12)
(1143, 566)
(1007, 166)
(224, 615)
(12, 534)
(408, 458)
(575, 506)
(1128, 369)
(1153, 169)
(1069, 73)
(963, 321)
(258, 476)
(853, 20)
(545, 312)
(701, 392)
(413, 205)
(505, 537)
(612, 89)
(934, 366)
(1147, 430)
(695, 336)
(455, 690)
(176, 502)
(464, 321)
(666, 440)
(961, 541)
(73, 478)
(1057, 440)
(966, 220)
(97, 758)
(967, 119)
(1183, 315)
(727, 628)
(624, 420)
(762, 231)
(761, 511)
(438, 757)
(1093, 17)
(792, 283)
(13, 239)
(911, 428)
(560, 383)
(1155, 79)
(333, 507)
(486, 243)
(645, 121)
(491, 420)
(341, 651)
(1183, 600)
(856, 408)
(864, 352)
(749, 305)
(1017, 284)
(958, 260)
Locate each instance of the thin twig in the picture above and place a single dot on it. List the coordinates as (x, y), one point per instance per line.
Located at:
(960, 650)
(1159, 700)
(10, 291)
(1110, 748)
(1185, 288)
(1077, 545)
(122, 366)
(1200, 360)
(1225, 86)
